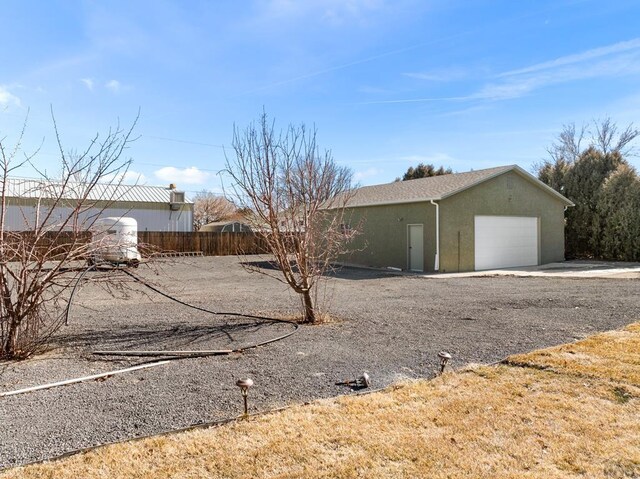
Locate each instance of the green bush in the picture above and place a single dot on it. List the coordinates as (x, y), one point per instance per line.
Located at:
(618, 211)
(605, 222)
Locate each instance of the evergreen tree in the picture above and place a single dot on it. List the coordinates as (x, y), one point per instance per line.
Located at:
(605, 222)
(424, 171)
(583, 185)
(619, 207)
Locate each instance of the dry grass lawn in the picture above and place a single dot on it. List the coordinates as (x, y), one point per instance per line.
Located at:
(581, 418)
(612, 355)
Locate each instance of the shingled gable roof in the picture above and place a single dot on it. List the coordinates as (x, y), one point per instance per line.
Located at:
(437, 187)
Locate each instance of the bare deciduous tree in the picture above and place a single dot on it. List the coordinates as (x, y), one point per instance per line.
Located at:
(44, 234)
(567, 147)
(209, 207)
(297, 195)
(605, 136)
(602, 135)
(608, 139)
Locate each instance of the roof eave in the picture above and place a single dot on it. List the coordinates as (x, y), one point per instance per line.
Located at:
(384, 203)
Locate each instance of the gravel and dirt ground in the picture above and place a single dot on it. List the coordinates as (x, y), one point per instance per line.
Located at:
(390, 326)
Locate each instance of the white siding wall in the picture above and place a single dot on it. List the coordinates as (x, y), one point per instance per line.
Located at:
(21, 218)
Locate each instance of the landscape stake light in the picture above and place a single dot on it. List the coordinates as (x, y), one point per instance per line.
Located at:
(444, 359)
(362, 382)
(244, 385)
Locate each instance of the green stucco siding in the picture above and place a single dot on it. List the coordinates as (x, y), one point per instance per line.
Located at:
(384, 230)
(506, 195)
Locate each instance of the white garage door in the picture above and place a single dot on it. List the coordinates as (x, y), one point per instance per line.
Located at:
(505, 241)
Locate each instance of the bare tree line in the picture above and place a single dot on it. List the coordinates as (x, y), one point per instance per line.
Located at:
(210, 208)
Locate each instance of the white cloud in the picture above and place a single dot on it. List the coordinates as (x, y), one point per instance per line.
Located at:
(113, 85)
(371, 90)
(88, 82)
(190, 176)
(351, 9)
(439, 75)
(510, 89)
(619, 59)
(369, 172)
(562, 70)
(7, 98)
(331, 11)
(586, 56)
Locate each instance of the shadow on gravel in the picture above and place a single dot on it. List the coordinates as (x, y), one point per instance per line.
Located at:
(339, 272)
(244, 332)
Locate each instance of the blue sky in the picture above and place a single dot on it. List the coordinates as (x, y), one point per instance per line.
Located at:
(388, 84)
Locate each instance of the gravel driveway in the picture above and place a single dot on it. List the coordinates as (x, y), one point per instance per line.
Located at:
(390, 326)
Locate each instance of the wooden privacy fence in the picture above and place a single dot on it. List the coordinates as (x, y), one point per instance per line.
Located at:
(44, 246)
(209, 244)
(53, 244)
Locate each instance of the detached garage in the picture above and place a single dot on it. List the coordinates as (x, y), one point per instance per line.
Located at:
(495, 218)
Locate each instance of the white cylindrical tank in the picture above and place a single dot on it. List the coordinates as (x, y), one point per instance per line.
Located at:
(115, 240)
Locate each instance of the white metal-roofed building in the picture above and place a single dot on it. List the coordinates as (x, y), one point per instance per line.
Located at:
(155, 208)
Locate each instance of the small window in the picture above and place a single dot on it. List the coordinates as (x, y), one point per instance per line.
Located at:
(345, 228)
(177, 197)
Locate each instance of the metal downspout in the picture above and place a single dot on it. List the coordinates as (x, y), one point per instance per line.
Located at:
(437, 265)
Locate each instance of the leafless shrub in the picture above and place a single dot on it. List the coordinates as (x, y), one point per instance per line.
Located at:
(44, 233)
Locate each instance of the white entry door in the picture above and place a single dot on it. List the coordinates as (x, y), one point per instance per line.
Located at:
(505, 241)
(416, 248)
